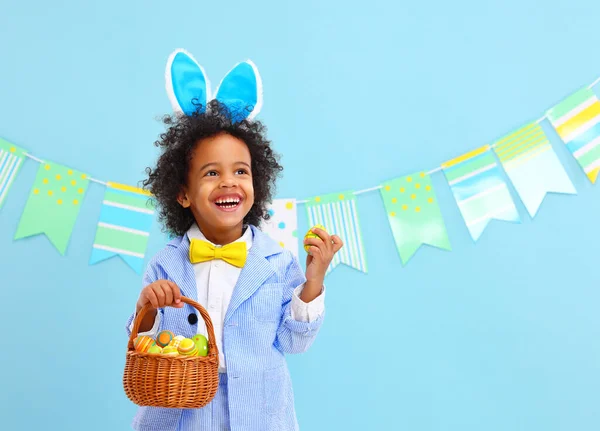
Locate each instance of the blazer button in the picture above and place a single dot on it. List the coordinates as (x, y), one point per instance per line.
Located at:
(193, 318)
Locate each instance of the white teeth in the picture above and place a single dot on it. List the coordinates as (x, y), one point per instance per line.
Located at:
(228, 202)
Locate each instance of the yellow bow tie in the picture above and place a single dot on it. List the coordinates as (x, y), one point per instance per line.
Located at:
(202, 251)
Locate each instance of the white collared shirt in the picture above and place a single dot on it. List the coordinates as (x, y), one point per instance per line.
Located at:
(215, 282)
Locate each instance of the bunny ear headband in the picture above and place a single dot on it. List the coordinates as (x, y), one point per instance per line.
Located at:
(187, 85)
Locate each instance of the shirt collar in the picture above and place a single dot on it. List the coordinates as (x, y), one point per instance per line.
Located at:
(194, 232)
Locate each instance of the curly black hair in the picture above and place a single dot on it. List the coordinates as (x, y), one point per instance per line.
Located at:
(183, 132)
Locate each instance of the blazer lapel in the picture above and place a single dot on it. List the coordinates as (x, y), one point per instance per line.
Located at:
(256, 270)
(183, 271)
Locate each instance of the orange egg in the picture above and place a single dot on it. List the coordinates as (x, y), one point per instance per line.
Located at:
(164, 338)
(142, 343)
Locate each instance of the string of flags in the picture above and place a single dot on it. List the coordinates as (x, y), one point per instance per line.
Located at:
(415, 217)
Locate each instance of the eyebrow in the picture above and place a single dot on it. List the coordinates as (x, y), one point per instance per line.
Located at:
(215, 163)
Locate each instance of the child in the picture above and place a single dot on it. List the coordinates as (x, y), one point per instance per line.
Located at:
(212, 184)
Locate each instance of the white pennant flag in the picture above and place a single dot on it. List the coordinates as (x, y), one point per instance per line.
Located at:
(283, 224)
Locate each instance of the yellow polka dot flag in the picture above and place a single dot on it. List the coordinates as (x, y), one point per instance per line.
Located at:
(283, 224)
(53, 204)
(11, 159)
(337, 213)
(414, 214)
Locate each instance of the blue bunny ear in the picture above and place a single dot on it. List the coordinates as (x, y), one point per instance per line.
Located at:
(187, 83)
(241, 91)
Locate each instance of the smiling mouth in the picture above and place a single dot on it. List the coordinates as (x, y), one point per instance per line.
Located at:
(228, 204)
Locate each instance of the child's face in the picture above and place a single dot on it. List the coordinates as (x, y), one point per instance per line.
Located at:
(219, 190)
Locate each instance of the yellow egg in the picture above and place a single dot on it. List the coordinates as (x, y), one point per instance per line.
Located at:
(170, 351)
(311, 234)
(176, 340)
(188, 347)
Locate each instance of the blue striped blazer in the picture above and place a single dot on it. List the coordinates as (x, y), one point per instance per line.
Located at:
(258, 331)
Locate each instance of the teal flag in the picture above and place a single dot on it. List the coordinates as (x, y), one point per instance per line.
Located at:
(532, 166)
(480, 190)
(124, 226)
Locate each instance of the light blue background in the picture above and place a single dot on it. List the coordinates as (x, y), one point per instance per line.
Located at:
(499, 335)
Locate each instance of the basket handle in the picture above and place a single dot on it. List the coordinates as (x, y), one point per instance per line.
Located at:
(212, 344)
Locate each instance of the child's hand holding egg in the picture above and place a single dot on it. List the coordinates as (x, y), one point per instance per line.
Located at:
(321, 247)
(311, 234)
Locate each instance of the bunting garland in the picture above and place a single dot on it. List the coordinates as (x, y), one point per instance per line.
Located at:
(475, 179)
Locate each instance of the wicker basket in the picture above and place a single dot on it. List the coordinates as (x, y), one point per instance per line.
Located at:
(167, 381)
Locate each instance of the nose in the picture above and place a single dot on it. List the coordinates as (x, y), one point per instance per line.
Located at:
(228, 181)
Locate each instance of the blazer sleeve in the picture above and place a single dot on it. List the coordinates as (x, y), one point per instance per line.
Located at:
(153, 272)
(295, 336)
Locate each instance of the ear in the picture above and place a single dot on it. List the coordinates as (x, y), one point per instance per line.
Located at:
(183, 199)
(241, 91)
(186, 83)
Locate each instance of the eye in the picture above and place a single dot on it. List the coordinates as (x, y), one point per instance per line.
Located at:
(210, 173)
(241, 171)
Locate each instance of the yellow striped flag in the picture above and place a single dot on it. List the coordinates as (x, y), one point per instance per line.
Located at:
(577, 122)
(532, 166)
(124, 227)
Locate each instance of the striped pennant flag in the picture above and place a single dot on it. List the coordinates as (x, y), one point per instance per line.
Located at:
(414, 214)
(11, 159)
(337, 212)
(577, 122)
(532, 166)
(479, 189)
(124, 227)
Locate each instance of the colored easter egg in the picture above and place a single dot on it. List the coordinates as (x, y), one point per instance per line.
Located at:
(311, 234)
(170, 351)
(164, 338)
(155, 350)
(201, 344)
(142, 343)
(176, 340)
(187, 347)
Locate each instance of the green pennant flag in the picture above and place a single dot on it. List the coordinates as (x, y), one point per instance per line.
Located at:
(53, 204)
(414, 214)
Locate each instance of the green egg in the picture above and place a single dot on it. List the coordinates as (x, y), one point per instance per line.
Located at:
(155, 350)
(202, 344)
